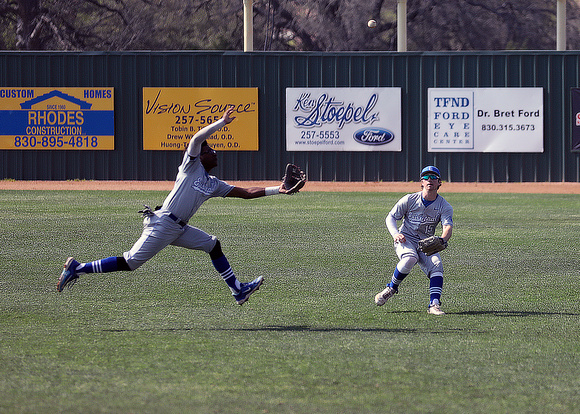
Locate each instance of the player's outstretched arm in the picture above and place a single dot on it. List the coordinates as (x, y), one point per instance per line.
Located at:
(195, 144)
(255, 192)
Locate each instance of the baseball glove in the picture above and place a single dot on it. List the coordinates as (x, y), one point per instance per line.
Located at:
(294, 179)
(432, 245)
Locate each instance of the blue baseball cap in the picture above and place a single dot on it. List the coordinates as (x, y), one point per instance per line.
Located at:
(430, 169)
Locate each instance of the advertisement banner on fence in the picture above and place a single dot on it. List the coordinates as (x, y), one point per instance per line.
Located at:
(57, 118)
(575, 119)
(171, 116)
(343, 119)
(486, 120)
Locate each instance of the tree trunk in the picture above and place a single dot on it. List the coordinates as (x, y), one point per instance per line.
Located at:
(29, 21)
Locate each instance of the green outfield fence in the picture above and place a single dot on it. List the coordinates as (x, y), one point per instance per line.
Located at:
(271, 73)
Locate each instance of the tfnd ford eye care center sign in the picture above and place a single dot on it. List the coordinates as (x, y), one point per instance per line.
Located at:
(486, 120)
(57, 118)
(343, 119)
(172, 116)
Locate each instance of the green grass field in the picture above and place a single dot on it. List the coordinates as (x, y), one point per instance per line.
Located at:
(169, 338)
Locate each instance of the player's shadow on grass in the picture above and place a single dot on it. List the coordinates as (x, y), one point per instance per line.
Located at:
(511, 313)
(275, 328)
(306, 328)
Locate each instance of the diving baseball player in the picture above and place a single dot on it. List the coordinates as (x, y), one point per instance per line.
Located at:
(168, 225)
(420, 213)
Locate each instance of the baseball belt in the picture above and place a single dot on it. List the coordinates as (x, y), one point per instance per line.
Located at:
(177, 220)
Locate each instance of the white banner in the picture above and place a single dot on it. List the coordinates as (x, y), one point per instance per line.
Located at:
(343, 119)
(486, 120)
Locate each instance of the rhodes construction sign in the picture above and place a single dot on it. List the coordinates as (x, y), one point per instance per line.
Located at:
(57, 118)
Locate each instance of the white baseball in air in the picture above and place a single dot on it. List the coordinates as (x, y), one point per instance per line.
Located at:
(372, 23)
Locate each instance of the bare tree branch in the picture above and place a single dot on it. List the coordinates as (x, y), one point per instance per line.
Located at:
(323, 25)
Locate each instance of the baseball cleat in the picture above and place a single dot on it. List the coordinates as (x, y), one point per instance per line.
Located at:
(69, 275)
(435, 309)
(247, 289)
(382, 297)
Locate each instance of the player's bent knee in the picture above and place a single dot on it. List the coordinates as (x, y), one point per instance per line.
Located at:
(216, 252)
(406, 263)
(411, 259)
(122, 264)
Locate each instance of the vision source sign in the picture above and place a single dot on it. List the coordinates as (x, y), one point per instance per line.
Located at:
(172, 116)
(57, 118)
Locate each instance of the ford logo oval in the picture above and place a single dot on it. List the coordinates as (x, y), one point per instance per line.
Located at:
(373, 136)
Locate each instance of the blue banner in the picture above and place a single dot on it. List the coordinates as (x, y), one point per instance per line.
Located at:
(57, 118)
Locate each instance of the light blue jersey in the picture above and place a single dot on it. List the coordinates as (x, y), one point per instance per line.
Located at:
(419, 221)
(193, 186)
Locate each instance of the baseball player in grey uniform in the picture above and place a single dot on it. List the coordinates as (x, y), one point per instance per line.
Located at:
(168, 225)
(420, 213)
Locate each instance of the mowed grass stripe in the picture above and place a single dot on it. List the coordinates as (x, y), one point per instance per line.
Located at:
(169, 338)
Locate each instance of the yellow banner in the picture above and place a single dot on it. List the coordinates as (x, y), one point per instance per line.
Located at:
(171, 116)
(57, 118)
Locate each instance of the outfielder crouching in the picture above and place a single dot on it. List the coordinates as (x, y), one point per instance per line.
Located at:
(168, 225)
(420, 213)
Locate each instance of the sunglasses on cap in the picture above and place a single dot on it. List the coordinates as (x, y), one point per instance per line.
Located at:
(429, 177)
